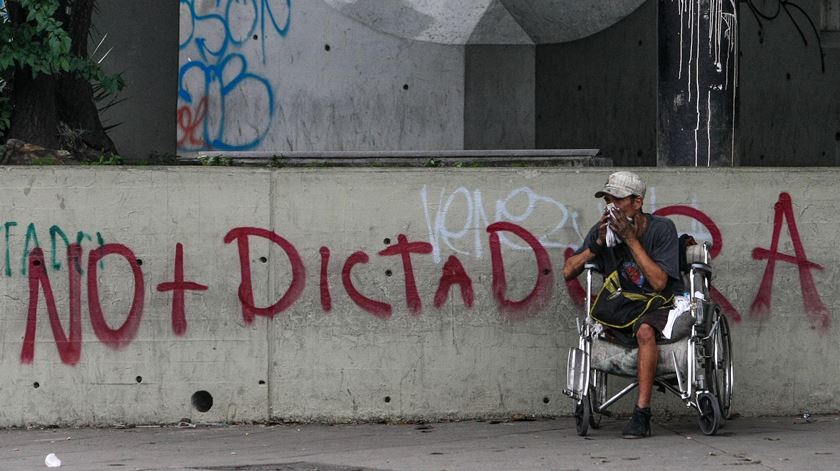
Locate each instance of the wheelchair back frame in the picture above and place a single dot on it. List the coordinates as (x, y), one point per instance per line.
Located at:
(702, 377)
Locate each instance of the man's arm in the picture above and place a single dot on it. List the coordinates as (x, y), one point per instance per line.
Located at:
(574, 264)
(656, 276)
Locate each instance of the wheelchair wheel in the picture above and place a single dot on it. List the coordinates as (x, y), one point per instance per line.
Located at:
(710, 417)
(719, 371)
(583, 416)
(598, 396)
(723, 372)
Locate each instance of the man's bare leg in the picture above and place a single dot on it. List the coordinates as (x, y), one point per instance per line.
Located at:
(639, 425)
(646, 337)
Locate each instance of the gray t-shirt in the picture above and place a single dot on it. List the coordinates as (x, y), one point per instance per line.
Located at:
(661, 243)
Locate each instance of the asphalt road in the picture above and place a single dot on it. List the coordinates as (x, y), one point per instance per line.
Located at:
(777, 443)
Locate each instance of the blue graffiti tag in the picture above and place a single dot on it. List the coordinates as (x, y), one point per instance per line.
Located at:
(205, 84)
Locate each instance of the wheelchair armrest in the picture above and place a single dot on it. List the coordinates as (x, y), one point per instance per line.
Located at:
(594, 267)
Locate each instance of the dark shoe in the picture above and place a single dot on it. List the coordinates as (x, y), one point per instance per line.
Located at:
(639, 425)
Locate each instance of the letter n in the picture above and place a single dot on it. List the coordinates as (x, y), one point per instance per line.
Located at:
(69, 349)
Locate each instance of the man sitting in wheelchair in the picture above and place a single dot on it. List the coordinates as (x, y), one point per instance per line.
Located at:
(639, 255)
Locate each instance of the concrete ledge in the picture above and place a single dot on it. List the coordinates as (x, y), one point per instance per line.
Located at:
(455, 158)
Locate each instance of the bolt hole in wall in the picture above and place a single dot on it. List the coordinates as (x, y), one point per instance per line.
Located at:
(139, 262)
(263, 259)
(261, 382)
(36, 385)
(387, 241)
(202, 401)
(139, 379)
(546, 400)
(387, 398)
(388, 273)
(405, 87)
(327, 47)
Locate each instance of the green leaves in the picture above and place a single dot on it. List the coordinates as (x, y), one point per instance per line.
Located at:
(39, 43)
(33, 38)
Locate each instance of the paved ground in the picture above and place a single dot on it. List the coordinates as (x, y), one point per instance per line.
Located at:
(778, 443)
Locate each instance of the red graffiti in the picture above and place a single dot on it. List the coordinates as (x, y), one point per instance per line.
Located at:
(69, 349)
(378, 309)
(326, 299)
(817, 313)
(699, 216)
(178, 286)
(573, 286)
(69, 341)
(404, 249)
(246, 292)
(122, 336)
(543, 289)
(454, 274)
(190, 125)
(717, 247)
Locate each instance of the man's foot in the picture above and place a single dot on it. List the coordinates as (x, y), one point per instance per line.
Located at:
(639, 425)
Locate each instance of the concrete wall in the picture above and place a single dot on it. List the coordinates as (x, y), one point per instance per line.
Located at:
(292, 76)
(595, 92)
(800, 125)
(347, 342)
(601, 90)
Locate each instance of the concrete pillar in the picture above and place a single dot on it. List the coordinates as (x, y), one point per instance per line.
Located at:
(696, 85)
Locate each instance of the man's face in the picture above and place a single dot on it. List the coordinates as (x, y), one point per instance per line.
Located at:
(630, 205)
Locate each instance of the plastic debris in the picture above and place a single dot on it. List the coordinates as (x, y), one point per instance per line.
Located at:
(807, 417)
(52, 461)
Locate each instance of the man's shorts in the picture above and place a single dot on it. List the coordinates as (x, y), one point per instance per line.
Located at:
(656, 319)
(669, 324)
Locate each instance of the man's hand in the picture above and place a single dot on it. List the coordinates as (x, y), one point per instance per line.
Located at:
(602, 228)
(623, 227)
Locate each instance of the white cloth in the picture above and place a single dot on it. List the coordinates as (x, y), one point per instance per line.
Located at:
(682, 305)
(612, 238)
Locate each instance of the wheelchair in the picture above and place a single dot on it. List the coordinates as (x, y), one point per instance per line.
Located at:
(697, 368)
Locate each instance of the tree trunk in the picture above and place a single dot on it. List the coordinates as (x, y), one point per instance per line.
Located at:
(40, 104)
(35, 117)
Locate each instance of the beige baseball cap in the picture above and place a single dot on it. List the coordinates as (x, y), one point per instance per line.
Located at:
(623, 184)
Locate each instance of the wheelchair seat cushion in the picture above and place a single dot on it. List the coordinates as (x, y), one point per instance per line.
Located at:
(621, 360)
